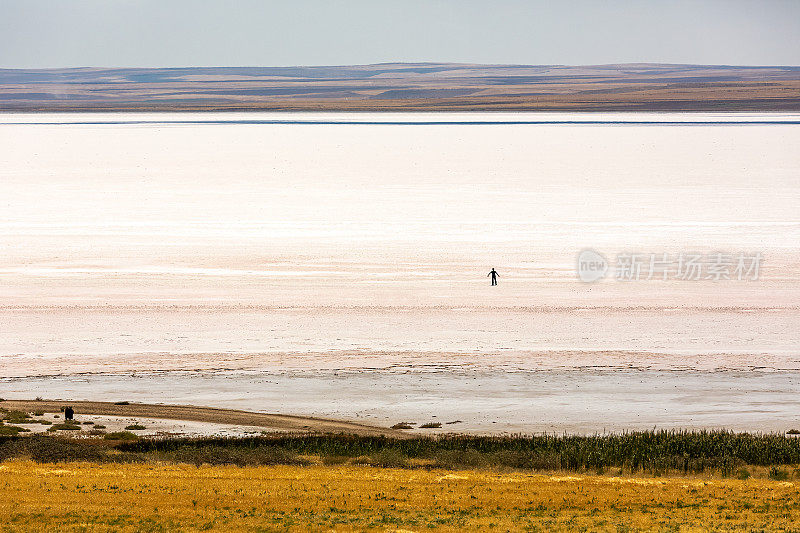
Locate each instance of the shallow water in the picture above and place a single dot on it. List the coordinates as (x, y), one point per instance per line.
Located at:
(583, 401)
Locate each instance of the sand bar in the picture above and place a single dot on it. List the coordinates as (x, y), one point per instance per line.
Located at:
(204, 414)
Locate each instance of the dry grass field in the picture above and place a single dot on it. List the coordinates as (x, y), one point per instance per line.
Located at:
(79, 479)
(162, 497)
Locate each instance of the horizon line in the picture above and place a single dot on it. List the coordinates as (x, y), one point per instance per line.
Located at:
(385, 63)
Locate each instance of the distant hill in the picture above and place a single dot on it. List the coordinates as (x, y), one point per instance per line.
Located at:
(406, 86)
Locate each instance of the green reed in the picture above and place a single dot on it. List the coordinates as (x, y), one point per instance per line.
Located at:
(656, 452)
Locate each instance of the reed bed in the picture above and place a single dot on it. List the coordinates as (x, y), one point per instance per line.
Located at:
(651, 452)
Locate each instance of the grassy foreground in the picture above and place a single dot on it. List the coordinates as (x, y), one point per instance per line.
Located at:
(161, 497)
(89, 480)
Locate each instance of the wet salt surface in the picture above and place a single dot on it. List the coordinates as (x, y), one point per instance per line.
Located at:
(576, 401)
(154, 427)
(63, 340)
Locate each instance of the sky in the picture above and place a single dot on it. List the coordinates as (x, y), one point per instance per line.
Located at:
(178, 33)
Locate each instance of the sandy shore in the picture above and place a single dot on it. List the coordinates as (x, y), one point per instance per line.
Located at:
(584, 401)
(204, 414)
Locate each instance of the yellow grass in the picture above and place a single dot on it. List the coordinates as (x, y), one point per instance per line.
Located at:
(92, 497)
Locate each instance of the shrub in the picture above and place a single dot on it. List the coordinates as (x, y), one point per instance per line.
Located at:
(743, 473)
(135, 427)
(12, 430)
(460, 459)
(389, 458)
(50, 449)
(402, 425)
(430, 425)
(529, 460)
(17, 417)
(121, 435)
(216, 455)
(99, 426)
(793, 432)
(65, 426)
(778, 474)
(334, 459)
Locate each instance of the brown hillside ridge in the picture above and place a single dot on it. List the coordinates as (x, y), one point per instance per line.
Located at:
(406, 87)
(300, 424)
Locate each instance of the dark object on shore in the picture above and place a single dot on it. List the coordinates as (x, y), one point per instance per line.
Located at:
(122, 403)
(453, 422)
(431, 425)
(69, 413)
(402, 425)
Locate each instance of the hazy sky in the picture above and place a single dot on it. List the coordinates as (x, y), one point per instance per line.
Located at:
(148, 33)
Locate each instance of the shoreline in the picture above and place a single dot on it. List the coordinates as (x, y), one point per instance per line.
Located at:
(493, 402)
(233, 417)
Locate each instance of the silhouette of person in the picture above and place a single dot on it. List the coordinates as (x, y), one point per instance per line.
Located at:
(493, 274)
